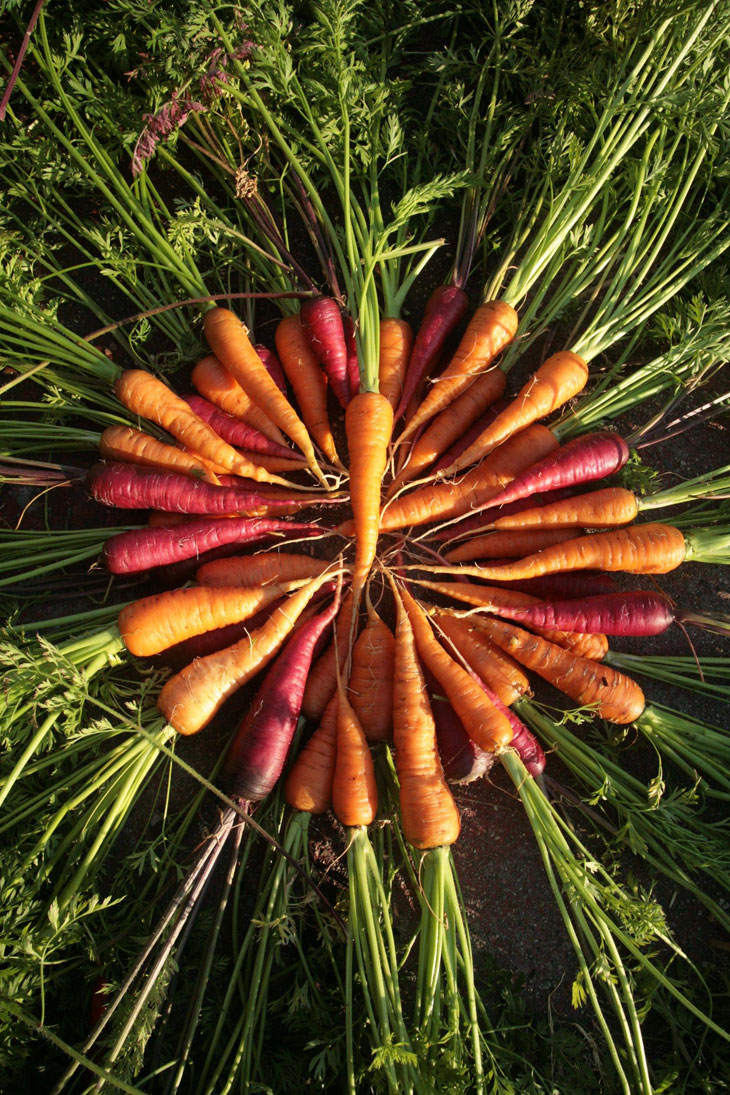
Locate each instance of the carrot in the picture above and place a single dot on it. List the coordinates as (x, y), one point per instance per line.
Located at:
(369, 424)
(157, 622)
(308, 786)
(490, 330)
(353, 363)
(450, 424)
(256, 756)
(430, 815)
(442, 500)
(592, 456)
(639, 549)
(370, 688)
(615, 696)
(143, 394)
(482, 722)
(229, 341)
(560, 378)
(272, 366)
(461, 758)
(139, 549)
(396, 342)
(308, 383)
(322, 680)
(217, 385)
(576, 583)
(124, 443)
(526, 745)
(483, 515)
(190, 699)
(508, 544)
(322, 320)
(445, 309)
(471, 433)
(607, 508)
(293, 462)
(253, 570)
(354, 792)
(640, 612)
(236, 431)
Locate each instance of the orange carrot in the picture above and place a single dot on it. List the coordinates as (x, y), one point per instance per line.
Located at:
(371, 678)
(147, 396)
(490, 330)
(430, 815)
(508, 544)
(274, 463)
(607, 508)
(396, 343)
(444, 500)
(155, 623)
(253, 570)
(616, 697)
(560, 378)
(479, 655)
(354, 792)
(639, 549)
(307, 380)
(322, 679)
(217, 385)
(369, 424)
(308, 786)
(191, 698)
(487, 726)
(135, 447)
(229, 341)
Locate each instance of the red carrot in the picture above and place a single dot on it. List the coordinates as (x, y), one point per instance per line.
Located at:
(638, 613)
(237, 432)
(526, 745)
(273, 366)
(140, 549)
(445, 309)
(323, 321)
(462, 759)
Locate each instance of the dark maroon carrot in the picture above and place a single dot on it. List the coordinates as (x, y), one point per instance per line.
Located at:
(526, 745)
(273, 366)
(353, 365)
(638, 613)
(257, 754)
(582, 460)
(461, 758)
(129, 486)
(322, 319)
(445, 309)
(237, 432)
(143, 548)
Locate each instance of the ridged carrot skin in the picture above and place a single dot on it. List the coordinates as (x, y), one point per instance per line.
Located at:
(640, 549)
(490, 330)
(430, 815)
(256, 756)
(155, 623)
(443, 500)
(481, 520)
(259, 569)
(190, 699)
(616, 697)
(308, 787)
(482, 722)
(526, 745)
(396, 343)
(469, 434)
(607, 508)
(461, 758)
(560, 378)
(354, 790)
(322, 680)
(148, 397)
(369, 425)
(139, 549)
(272, 366)
(445, 309)
(639, 613)
(370, 689)
(125, 444)
(509, 686)
(508, 544)
(229, 341)
(582, 460)
(307, 380)
(237, 432)
(322, 320)
(217, 385)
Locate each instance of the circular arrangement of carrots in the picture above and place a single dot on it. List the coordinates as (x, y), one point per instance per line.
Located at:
(368, 631)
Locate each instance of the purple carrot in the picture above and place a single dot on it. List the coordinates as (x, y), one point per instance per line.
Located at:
(273, 366)
(236, 432)
(259, 749)
(468, 436)
(445, 310)
(140, 549)
(525, 744)
(353, 365)
(322, 320)
(461, 758)
(592, 456)
(638, 613)
(130, 486)
(481, 518)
